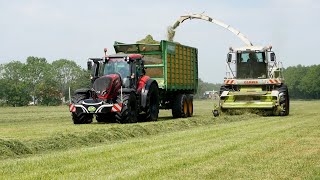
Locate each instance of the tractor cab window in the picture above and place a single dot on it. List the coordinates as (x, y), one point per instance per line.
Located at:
(114, 66)
(251, 65)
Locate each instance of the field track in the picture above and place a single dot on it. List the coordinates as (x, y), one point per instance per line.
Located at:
(42, 142)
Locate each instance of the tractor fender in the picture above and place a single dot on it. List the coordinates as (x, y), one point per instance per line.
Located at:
(145, 90)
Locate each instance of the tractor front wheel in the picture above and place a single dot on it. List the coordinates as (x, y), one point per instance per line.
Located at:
(81, 118)
(128, 112)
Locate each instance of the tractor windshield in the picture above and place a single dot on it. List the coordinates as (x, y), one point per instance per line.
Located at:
(117, 66)
(251, 65)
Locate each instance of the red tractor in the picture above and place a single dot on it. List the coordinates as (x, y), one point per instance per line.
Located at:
(121, 92)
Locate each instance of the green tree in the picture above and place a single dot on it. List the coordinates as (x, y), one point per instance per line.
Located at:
(293, 76)
(310, 82)
(48, 92)
(35, 70)
(67, 73)
(14, 89)
(82, 81)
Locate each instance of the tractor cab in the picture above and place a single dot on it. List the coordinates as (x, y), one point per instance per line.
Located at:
(129, 67)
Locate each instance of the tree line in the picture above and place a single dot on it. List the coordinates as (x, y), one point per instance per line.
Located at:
(40, 82)
(303, 81)
(43, 83)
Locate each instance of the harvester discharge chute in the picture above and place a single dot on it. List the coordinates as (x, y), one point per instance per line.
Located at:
(204, 17)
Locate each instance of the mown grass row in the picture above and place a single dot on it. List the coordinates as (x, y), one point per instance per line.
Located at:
(12, 147)
(255, 148)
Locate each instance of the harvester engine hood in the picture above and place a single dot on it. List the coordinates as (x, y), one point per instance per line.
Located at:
(106, 87)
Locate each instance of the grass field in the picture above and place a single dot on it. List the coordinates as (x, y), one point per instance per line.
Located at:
(43, 143)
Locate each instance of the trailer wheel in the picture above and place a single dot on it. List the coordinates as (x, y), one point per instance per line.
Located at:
(152, 108)
(190, 105)
(81, 118)
(284, 100)
(180, 106)
(128, 112)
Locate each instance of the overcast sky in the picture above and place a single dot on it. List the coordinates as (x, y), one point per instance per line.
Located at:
(77, 30)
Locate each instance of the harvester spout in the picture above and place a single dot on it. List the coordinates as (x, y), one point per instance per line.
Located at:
(215, 21)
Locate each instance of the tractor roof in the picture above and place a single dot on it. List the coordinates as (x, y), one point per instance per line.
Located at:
(131, 56)
(119, 56)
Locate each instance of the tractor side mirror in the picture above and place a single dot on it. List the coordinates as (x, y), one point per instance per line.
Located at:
(89, 65)
(231, 57)
(272, 56)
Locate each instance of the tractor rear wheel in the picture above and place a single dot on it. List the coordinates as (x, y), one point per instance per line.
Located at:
(81, 118)
(180, 106)
(190, 105)
(284, 100)
(152, 108)
(128, 112)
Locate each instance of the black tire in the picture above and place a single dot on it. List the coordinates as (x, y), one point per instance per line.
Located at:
(284, 100)
(180, 106)
(81, 118)
(128, 112)
(152, 107)
(215, 113)
(190, 105)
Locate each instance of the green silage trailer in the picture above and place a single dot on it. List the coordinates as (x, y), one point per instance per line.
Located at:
(175, 68)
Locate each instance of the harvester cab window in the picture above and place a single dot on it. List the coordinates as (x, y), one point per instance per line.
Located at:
(251, 65)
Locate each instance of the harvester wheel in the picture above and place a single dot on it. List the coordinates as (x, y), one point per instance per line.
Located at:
(128, 112)
(190, 105)
(215, 113)
(152, 108)
(284, 100)
(180, 106)
(81, 118)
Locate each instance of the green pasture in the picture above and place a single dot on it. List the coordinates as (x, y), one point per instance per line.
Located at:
(43, 143)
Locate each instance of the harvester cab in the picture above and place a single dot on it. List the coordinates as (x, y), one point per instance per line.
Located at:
(254, 80)
(253, 63)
